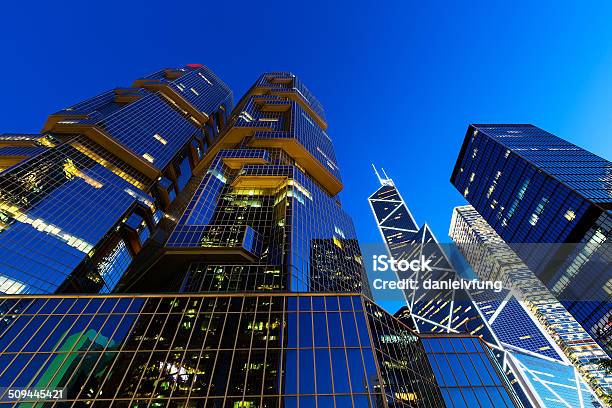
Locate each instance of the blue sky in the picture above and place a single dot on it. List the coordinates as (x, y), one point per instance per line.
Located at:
(400, 83)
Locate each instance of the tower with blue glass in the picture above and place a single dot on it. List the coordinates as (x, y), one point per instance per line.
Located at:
(79, 200)
(528, 318)
(552, 201)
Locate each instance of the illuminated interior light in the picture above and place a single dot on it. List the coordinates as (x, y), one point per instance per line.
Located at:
(160, 139)
(71, 171)
(330, 162)
(116, 170)
(337, 242)
(204, 78)
(42, 226)
(194, 91)
(10, 287)
(142, 199)
(244, 115)
(148, 157)
(45, 141)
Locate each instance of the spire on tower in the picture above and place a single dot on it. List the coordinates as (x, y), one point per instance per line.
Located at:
(386, 181)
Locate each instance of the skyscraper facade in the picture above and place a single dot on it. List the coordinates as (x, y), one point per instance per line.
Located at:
(553, 199)
(535, 365)
(491, 258)
(261, 298)
(430, 311)
(78, 201)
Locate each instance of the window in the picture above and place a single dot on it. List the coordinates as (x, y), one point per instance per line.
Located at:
(204, 78)
(160, 139)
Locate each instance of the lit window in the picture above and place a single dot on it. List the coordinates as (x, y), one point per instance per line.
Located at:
(10, 287)
(244, 115)
(329, 162)
(608, 287)
(307, 119)
(71, 171)
(525, 337)
(337, 242)
(538, 211)
(268, 119)
(159, 139)
(570, 215)
(339, 232)
(148, 157)
(194, 91)
(204, 78)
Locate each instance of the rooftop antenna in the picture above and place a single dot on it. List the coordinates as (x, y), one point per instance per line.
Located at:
(386, 181)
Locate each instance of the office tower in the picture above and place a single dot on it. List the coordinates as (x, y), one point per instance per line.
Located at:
(537, 370)
(551, 200)
(265, 214)
(492, 259)
(78, 201)
(260, 291)
(430, 311)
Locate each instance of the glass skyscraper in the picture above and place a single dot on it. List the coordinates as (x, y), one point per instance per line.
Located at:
(531, 359)
(78, 201)
(552, 201)
(260, 297)
(526, 299)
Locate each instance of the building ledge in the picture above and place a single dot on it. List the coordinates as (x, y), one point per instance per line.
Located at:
(304, 159)
(258, 182)
(173, 96)
(236, 163)
(110, 144)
